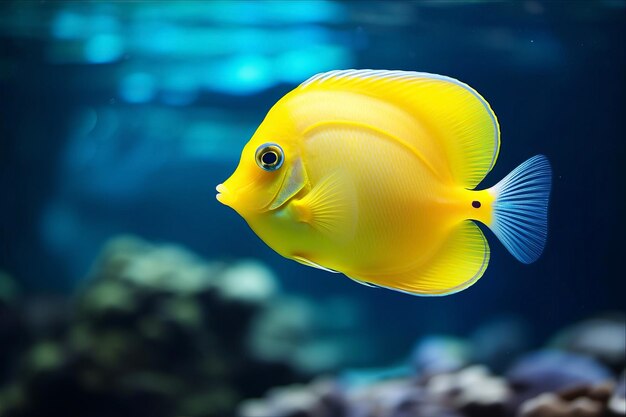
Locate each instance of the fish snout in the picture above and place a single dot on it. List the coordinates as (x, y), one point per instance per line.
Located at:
(244, 199)
(224, 195)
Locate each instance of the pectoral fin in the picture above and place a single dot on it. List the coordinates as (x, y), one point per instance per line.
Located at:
(330, 207)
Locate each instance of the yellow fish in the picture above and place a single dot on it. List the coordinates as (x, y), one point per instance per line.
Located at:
(372, 173)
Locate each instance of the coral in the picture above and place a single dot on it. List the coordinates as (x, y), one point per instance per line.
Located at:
(156, 331)
(160, 332)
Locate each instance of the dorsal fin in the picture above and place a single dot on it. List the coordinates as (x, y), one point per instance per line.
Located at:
(454, 115)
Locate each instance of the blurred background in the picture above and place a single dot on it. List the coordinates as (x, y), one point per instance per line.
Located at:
(124, 284)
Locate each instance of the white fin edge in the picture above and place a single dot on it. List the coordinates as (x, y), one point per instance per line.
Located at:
(305, 261)
(358, 281)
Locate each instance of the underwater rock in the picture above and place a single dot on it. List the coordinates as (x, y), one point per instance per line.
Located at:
(603, 338)
(617, 402)
(320, 398)
(398, 397)
(326, 398)
(361, 377)
(581, 401)
(156, 331)
(388, 397)
(546, 383)
(438, 354)
(552, 370)
(472, 390)
(550, 405)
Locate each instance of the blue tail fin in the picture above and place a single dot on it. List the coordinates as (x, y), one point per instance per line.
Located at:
(520, 209)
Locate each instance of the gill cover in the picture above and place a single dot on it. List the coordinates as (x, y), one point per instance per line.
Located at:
(294, 180)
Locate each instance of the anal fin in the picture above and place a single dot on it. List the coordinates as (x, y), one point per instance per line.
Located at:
(459, 263)
(305, 261)
(359, 281)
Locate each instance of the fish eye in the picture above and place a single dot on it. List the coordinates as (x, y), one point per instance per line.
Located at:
(269, 156)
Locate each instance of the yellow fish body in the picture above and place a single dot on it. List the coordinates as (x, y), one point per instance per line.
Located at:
(372, 174)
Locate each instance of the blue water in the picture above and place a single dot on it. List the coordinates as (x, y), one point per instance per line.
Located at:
(121, 118)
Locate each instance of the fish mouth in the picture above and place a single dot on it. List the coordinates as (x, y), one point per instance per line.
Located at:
(243, 199)
(222, 194)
